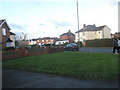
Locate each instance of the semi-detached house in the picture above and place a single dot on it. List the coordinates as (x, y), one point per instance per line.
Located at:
(90, 32)
(7, 38)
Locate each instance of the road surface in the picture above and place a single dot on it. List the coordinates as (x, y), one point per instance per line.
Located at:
(23, 79)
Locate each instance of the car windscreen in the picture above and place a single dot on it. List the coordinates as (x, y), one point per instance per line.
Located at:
(72, 45)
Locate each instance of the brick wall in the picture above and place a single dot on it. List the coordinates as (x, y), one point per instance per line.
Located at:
(6, 55)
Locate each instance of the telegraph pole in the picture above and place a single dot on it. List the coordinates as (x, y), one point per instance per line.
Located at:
(78, 20)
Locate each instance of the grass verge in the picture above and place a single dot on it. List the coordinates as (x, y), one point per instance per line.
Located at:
(99, 66)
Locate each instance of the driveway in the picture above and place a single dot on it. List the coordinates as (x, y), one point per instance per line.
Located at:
(23, 79)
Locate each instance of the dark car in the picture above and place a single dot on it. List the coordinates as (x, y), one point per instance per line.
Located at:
(71, 47)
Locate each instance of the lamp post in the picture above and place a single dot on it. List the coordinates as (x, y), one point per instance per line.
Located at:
(78, 19)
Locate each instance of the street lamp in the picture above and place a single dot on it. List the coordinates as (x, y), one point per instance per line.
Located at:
(78, 19)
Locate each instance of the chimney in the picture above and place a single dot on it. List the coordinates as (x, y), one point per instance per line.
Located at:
(69, 31)
(84, 26)
(94, 25)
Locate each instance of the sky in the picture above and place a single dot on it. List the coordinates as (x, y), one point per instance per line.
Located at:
(51, 18)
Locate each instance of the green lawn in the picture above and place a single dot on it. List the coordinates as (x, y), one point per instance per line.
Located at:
(99, 66)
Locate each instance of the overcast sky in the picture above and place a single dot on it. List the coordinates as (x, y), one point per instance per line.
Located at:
(50, 18)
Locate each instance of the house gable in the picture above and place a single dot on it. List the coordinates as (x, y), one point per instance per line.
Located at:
(4, 34)
(90, 28)
(68, 36)
(90, 32)
(4, 24)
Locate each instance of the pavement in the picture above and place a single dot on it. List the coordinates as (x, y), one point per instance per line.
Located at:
(23, 79)
(96, 50)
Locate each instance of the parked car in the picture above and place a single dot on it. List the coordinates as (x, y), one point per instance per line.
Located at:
(16, 47)
(71, 47)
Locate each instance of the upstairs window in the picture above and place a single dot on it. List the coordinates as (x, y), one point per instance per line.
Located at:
(42, 40)
(4, 31)
(83, 34)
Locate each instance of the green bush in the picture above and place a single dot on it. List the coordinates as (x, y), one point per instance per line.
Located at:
(99, 43)
(79, 44)
(9, 48)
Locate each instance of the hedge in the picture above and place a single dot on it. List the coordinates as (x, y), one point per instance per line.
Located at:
(99, 43)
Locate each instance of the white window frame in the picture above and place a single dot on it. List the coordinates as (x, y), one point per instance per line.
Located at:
(42, 40)
(4, 32)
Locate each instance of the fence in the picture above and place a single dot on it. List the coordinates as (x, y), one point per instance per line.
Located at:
(28, 52)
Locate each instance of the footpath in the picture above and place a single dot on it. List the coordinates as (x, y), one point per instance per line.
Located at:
(23, 79)
(96, 49)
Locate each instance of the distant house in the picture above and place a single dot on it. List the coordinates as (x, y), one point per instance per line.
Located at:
(61, 42)
(89, 32)
(46, 40)
(68, 36)
(116, 35)
(33, 42)
(5, 40)
(12, 37)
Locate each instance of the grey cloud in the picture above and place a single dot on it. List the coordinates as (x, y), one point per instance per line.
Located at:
(61, 23)
(41, 24)
(18, 26)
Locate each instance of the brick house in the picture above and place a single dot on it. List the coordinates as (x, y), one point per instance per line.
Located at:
(68, 36)
(46, 40)
(116, 35)
(5, 40)
(33, 42)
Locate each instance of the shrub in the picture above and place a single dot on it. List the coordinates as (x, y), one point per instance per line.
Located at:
(99, 43)
(9, 48)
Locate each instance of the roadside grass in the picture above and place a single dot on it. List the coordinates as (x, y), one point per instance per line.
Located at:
(97, 66)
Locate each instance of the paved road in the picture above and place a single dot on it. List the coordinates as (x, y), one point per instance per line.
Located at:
(23, 79)
(100, 50)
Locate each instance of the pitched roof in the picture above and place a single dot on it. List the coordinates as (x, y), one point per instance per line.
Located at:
(68, 33)
(9, 40)
(90, 28)
(2, 22)
(117, 33)
(11, 33)
(46, 38)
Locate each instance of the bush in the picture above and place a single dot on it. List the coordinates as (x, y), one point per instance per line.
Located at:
(9, 48)
(79, 44)
(99, 43)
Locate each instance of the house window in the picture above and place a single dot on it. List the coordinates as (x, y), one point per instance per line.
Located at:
(83, 34)
(4, 31)
(42, 40)
(52, 40)
(8, 44)
(37, 40)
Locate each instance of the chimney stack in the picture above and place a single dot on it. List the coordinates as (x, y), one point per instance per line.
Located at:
(94, 25)
(84, 26)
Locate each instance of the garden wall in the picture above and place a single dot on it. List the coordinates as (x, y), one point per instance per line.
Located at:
(28, 52)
